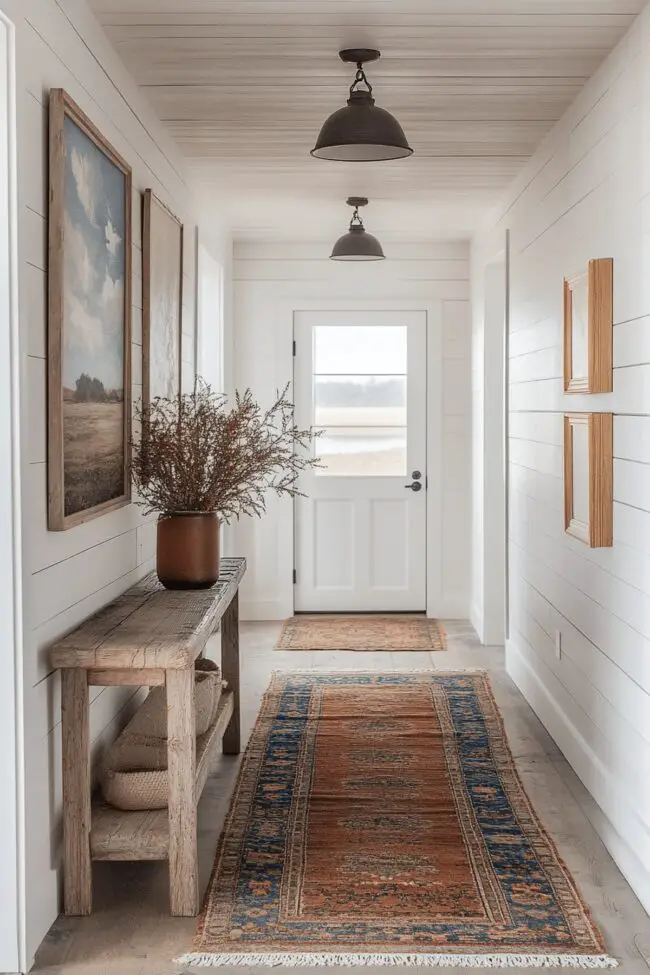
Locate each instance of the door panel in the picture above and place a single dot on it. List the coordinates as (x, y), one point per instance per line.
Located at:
(331, 545)
(360, 379)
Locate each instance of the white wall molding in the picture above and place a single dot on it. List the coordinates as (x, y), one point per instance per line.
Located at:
(488, 482)
(12, 832)
(438, 602)
(260, 611)
(476, 619)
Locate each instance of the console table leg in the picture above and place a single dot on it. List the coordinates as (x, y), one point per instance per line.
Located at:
(181, 755)
(230, 669)
(75, 742)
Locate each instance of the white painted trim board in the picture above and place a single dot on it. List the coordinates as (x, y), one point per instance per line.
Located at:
(12, 845)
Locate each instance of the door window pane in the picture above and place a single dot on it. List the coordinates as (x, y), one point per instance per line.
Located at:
(359, 401)
(359, 350)
(362, 451)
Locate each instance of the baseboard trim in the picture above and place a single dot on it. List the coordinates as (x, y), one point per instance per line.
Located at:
(476, 619)
(260, 610)
(610, 812)
(453, 606)
(257, 611)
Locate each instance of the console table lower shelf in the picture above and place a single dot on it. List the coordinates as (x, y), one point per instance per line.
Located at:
(144, 835)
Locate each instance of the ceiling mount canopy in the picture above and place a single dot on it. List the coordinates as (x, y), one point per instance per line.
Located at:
(357, 244)
(361, 132)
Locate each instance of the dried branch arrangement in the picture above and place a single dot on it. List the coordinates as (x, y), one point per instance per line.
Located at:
(196, 454)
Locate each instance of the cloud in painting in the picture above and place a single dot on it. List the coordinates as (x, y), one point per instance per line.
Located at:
(112, 301)
(85, 332)
(94, 263)
(79, 262)
(113, 239)
(85, 176)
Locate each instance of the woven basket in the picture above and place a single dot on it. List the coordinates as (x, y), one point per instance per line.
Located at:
(207, 693)
(204, 663)
(135, 773)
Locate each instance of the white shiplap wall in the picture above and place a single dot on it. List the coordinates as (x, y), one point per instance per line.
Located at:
(269, 279)
(585, 194)
(68, 575)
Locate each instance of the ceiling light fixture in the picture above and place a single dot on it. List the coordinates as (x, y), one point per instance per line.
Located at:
(361, 132)
(357, 244)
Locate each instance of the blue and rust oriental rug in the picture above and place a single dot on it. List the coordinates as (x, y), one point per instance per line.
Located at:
(379, 819)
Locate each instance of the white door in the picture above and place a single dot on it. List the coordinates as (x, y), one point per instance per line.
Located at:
(360, 378)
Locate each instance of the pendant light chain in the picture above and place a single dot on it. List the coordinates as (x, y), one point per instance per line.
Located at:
(356, 218)
(360, 79)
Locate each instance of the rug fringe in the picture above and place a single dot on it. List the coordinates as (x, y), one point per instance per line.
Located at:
(316, 960)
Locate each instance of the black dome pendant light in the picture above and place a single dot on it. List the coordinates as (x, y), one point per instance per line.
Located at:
(361, 132)
(357, 244)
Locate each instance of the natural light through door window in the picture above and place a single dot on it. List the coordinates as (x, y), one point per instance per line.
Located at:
(360, 400)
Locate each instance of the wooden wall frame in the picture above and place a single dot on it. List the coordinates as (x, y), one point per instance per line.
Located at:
(85, 289)
(158, 224)
(588, 329)
(588, 456)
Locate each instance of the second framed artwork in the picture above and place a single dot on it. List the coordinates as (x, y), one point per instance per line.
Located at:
(588, 329)
(588, 478)
(162, 300)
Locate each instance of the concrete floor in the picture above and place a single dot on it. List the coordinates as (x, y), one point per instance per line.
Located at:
(131, 933)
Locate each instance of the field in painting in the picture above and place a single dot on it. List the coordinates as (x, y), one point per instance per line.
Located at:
(93, 454)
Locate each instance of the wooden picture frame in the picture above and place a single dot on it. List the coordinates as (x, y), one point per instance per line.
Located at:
(162, 300)
(89, 320)
(588, 329)
(588, 478)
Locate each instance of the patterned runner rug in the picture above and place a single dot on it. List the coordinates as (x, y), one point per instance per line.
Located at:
(364, 631)
(378, 819)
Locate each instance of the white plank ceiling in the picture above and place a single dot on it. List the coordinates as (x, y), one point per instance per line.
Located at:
(244, 85)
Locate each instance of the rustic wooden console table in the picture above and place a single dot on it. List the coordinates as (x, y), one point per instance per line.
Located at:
(148, 636)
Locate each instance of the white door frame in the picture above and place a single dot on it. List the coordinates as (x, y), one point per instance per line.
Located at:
(506, 448)
(284, 353)
(12, 888)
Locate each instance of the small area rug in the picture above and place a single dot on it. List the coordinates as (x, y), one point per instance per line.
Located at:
(378, 819)
(364, 631)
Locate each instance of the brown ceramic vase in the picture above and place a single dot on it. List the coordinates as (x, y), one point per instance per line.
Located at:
(188, 550)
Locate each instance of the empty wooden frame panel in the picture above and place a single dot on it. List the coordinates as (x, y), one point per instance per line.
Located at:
(588, 329)
(588, 478)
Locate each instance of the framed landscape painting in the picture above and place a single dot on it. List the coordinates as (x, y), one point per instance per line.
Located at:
(162, 300)
(89, 320)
